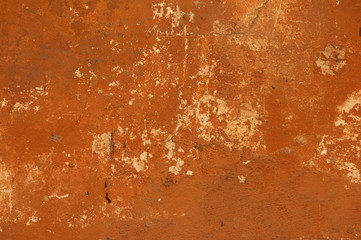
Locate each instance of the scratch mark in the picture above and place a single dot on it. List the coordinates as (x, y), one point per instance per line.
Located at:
(56, 196)
(250, 26)
(277, 16)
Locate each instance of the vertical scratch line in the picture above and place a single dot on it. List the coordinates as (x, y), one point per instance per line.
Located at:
(277, 16)
(319, 221)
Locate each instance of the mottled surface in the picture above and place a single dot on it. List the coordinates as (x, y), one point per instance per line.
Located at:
(224, 119)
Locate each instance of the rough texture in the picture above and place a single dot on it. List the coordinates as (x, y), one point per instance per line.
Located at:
(224, 119)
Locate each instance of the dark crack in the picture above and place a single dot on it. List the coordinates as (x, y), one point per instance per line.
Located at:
(107, 198)
(111, 145)
(250, 26)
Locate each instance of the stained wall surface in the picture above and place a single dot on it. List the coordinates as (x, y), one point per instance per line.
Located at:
(171, 119)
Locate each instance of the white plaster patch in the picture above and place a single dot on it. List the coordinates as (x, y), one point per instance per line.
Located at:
(32, 220)
(219, 28)
(3, 102)
(353, 172)
(92, 75)
(156, 132)
(170, 145)
(331, 59)
(101, 144)
(171, 12)
(33, 171)
(353, 100)
(32, 96)
(78, 73)
(114, 84)
(158, 10)
(241, 125)
(171, 155)
(145, 139)
(341, 149)
(22, 106)
(257, 44)
(322, 146)
(177, 167)
(139, 164)
(241, 179)
(6, 193)
(118, 70)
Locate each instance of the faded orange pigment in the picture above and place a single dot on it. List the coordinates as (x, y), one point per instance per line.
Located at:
(175, 119)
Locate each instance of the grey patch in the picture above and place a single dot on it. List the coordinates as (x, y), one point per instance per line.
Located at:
(199, 147)
(55, 138)
(286, 150)
(300, 140)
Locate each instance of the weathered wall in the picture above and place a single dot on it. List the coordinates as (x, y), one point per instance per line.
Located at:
(170, 119)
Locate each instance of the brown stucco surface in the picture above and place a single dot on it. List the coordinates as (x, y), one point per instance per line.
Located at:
(170, 119)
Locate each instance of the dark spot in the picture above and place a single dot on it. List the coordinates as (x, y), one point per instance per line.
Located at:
(111, 145)
(105, 184)
(335, 56)
(199, 147)
(227, 178)
(55, 138)
(167, 184)
(116, 106)
(71, 165)
(107, 238)
(273, 87)
(124, 145)
(97, 61)
(107, 198)
(222, 224)
(87, 193)
(169, 181)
